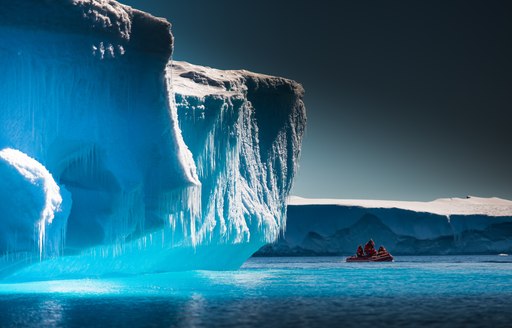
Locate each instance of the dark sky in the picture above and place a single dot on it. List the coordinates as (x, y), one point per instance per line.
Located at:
(406, 100)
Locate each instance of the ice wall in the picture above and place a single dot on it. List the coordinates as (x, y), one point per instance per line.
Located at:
(88, 95)
(244, 130)
(445, 226)
(83, 93)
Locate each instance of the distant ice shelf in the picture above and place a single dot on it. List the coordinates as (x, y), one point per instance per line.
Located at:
(470, 225)
(443, 206)
(126, 162)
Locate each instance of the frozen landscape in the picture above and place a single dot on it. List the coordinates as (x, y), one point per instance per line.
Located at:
(136, 188)
(469, 225)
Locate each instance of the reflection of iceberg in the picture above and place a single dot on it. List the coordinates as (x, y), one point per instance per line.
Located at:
(87, 95)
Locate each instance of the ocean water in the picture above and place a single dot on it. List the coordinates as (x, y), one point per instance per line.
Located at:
(436, 291)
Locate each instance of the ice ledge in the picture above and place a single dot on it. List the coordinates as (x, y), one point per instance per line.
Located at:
(443, 206)
(202, 81)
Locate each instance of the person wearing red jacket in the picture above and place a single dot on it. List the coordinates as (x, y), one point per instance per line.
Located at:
(382, 250)
(360, 252)
(369, 248)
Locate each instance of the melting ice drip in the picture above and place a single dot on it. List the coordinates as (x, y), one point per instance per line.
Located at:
(152, 172)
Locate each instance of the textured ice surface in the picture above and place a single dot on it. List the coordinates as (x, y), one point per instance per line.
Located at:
(245, 131)
(471, 225)
(87, 95)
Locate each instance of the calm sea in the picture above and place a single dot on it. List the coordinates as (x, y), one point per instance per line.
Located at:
(436, 291)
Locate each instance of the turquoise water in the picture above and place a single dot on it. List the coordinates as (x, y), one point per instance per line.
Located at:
(465, 291)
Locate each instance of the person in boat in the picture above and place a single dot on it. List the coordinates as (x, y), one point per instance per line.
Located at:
(369, 248)
(360, 252)
(382, 250)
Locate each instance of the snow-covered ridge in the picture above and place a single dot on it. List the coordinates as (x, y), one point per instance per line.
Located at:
(442, 206)
(201, 81)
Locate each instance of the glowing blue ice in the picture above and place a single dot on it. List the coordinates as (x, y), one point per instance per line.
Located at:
(88, 96)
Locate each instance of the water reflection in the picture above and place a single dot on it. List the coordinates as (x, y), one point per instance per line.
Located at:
(273, 294)
(81, 287)
(51, 313)
(193, 312)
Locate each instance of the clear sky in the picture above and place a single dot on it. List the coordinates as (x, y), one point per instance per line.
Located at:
(407, 100)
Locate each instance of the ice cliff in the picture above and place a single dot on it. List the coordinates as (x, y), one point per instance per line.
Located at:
(470, 225)
(245, 131)
(116, 160)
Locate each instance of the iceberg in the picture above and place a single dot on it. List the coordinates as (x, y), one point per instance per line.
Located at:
(117, 160)
(471, 225)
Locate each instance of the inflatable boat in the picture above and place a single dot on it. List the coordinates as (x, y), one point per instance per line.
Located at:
(383, 257)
